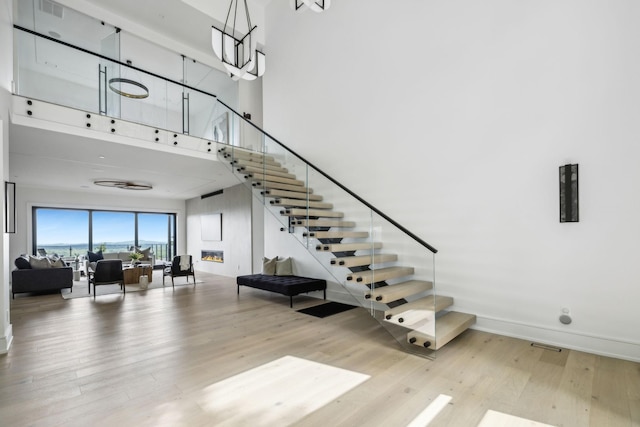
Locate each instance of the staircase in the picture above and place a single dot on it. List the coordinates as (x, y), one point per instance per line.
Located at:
(406, 305)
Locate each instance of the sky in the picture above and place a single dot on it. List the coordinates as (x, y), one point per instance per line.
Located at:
(72, 226)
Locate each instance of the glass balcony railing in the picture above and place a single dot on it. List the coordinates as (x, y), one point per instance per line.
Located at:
(381, 265)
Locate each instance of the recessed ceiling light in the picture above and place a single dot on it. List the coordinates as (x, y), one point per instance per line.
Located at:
(101, 156)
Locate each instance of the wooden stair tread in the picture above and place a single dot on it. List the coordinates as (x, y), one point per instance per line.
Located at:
(272, 192)
(268, 185)
(415, 311)
(300, 203)
(245, 154)
(379, 275)
(259, 165)
(347, 247)
(324, 223)
(386, 294)
(336, 234)
(448, 326)
(269, 172)
(311, 212)
(271, 178)
(363, 260)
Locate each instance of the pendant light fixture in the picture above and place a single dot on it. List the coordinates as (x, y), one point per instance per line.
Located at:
(239, 55)
(317, 6)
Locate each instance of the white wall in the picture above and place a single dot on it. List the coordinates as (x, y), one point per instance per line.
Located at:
(235, 206)
(453, 118)
(6, 73)
(27, 197)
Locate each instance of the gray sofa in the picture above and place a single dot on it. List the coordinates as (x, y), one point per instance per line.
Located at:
(40, 279)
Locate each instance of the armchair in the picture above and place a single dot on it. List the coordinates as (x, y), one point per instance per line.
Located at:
(181, 265)
(107, 272)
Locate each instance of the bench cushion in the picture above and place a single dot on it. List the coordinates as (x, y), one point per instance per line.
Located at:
(285, 285)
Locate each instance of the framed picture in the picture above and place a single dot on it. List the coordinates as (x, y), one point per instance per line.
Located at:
(9, 207)
(211, 227)
(221, 128)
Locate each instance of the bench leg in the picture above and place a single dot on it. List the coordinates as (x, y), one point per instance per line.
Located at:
(325, 294)
(290, 302)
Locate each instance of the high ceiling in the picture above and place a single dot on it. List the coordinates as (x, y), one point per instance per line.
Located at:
(67, 162)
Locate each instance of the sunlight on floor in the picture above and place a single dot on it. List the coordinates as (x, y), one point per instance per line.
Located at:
(498, 419)
(430, 412)
(280, 393)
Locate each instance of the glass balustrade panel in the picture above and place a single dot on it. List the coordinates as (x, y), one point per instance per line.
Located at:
(52, 72)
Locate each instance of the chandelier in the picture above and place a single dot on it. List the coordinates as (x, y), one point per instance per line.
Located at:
(316, 6)
(124, 185)
(239, 54)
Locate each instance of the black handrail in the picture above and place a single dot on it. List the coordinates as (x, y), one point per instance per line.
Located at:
(351, 193)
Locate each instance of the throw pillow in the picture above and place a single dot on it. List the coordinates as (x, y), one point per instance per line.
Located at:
(269, 266)
(146, 254)
(22, 263)
(57, 263)
(39, 262)
(94, 257)
(284, 267)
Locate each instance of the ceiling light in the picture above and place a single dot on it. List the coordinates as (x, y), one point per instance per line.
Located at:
(127, 87)
(316, 6)
(124, 185)
(238, 55)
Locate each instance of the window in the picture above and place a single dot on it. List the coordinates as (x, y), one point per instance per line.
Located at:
(73, 232)
(61, 231)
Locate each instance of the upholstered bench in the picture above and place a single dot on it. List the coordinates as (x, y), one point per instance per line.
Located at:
(285, 285)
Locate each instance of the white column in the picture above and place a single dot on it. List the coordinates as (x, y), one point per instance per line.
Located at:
(6, 76)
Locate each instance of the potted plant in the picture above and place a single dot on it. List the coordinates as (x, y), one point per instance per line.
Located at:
(136, 257)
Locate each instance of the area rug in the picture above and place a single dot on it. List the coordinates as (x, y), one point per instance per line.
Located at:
(327, 309)
(80, 288)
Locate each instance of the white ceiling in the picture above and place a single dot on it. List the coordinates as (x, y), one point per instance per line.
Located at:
(46, 159)
(41, 158)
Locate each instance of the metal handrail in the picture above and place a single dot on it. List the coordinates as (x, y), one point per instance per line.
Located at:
(320, 171)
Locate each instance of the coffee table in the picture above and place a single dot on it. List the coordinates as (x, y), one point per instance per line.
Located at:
(132, 274)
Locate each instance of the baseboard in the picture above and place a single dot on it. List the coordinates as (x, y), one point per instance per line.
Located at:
(6, 340)
(603, 346)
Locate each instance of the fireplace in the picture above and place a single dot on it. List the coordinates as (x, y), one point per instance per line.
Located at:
(213, 256)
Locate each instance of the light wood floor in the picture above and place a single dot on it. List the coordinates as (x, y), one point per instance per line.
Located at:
(145, 359)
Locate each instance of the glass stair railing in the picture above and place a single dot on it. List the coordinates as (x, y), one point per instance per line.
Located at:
(383, 266)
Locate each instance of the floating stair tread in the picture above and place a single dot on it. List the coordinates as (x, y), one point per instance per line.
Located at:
(399, 290)
(259, 165)
(269, 172)
(337, 234)
(271, 178)
(363, 260)
(413, 312)
(346, 247)
(324, 223)
(381, 274)
(301, 204)
(269, 185)
(311, 212)
(246, 154)
(448, 326)
(272, 192)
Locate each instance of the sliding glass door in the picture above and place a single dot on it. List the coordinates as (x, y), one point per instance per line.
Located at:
(64, 232)
(73, 232)
(157, 231)
(113, 231)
